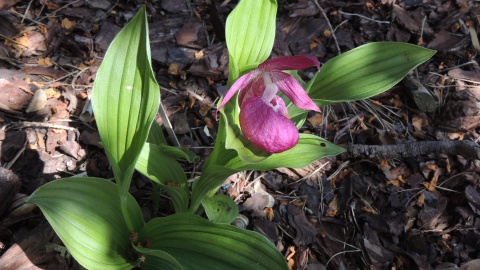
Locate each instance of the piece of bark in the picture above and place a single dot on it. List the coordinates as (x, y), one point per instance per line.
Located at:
(473, 198)
(7, 29)
(467, 149)
(174, 6)
(445, 41)
(46, 71)
(305, 230)
(460, 74)
(29, 253)
(13, 98)
(105, 36)
(190, 35)
(7, 3)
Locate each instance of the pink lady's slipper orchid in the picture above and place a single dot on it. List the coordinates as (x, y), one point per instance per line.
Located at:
(263, 115)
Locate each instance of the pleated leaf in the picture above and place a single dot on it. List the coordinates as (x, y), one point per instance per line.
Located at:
(250, 32)
(211, 179)
(365, 71)
(198, 244)
(155, 135)
(126, 97)
(308, 149)
(157, 259)
(160, 165)
(86, 215)
(220, 209)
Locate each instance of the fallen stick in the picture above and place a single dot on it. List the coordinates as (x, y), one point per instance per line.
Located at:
(467, 149)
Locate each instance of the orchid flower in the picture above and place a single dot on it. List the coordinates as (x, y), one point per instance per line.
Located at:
(263, 115)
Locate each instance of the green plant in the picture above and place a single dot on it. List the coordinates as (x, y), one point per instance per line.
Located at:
(101, 224)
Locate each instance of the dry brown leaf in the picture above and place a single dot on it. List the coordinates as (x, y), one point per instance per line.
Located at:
(316, 119)
(209, 123)
(289, 258)
(421, 200)
(210, 81)
(376, 102)
(52, 93)
(396, 183)
(418, 122)
(67, 24)
(456, 136)
(332, 208)
(370, 210)
(410, 223)
(270, 213)
(199, 54)
(173, 69)
(45, 62)
(298, 203)
(31, 146)
(192, 100)
(40, 140)
(30, 43)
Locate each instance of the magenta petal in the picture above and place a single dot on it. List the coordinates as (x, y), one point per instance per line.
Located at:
(240, 84)
(290, 63)
(288, 85)
(265, 128)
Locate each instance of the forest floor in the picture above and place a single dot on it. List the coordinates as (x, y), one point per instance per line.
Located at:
(413, 208)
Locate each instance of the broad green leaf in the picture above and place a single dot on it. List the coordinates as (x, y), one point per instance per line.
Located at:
(211, 179)
(308, 149)
(126, 98)
(157, 163)
(86, 215)
(179, 197)
(250, 32)
(157, 259)
(365, 71)
(179, 153)
(198, 244)
(155, 135)
(220, 209)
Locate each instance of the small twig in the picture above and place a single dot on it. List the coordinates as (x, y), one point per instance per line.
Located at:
(28, 19)
(168, 125)
(467, 149)
(339, 169)
(314, 172)
(13, 41)
(329, 25)
(55, 11)
(423, 28)
(114, 5)
(26, 11)
(461, 65)
(363, 17)
(75, 77)
(22, 125)
(19, 153)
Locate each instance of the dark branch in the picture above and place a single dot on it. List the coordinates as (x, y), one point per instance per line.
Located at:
(467, 149)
